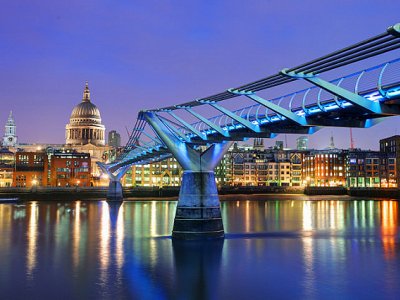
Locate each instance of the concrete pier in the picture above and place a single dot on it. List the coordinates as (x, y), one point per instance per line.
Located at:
(115, 191)
(198, 214)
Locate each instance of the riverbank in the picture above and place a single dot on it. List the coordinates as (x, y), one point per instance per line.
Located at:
(73, 193)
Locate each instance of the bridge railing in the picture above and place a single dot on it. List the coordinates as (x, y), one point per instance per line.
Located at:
(377, 83)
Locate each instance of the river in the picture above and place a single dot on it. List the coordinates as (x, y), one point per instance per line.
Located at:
(275, 248)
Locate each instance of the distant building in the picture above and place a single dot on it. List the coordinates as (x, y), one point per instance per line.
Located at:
(85, 123)
(51, 168)
(10, 132)
(332, 143)
(296, 164)
(279, 145)
(86, 134)
(164, 173)
(29, 169)
(69, 168)
(371, 169)
(302, 143)
(242, 166)
(6, 167)
(258, 144)
(392, 145)
(114, 139)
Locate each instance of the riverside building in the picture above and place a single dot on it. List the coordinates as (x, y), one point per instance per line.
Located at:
(56, 168)
(371, 169)
(324, 168)
(392, 145)
(164, 173)
(7, 162)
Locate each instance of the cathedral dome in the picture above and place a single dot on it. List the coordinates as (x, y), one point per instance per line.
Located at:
(86, 110)
(85, 123)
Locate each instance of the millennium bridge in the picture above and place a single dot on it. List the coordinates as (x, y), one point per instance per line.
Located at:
(199, 132)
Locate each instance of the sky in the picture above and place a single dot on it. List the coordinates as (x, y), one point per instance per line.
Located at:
(148, 54)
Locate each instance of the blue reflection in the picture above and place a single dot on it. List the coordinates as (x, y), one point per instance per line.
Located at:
(291, 249)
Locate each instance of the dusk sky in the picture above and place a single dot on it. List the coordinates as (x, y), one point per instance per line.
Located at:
(147, 54)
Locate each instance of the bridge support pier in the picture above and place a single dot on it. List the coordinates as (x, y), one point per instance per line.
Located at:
(198, 214)
(114, 192)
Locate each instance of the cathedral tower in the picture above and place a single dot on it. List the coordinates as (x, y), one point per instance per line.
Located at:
(10, 132)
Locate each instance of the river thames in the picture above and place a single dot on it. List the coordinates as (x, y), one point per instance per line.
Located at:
(275, 249)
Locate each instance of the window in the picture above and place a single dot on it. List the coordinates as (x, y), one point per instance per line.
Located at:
(23, 159)
(37, 159)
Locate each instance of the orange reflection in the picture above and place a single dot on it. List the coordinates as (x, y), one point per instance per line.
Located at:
(307, 216)
(247, 216)
(76, 234)
(32, 235)
(389, 228)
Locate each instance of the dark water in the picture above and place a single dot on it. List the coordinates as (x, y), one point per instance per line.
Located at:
(273, 250)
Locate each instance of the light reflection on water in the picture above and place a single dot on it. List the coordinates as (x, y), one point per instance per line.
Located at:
(286, 249)
(32, 236)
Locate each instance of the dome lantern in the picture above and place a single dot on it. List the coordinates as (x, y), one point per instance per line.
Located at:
(86, 93)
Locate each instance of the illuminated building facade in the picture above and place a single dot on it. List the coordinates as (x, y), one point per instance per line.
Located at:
(392, 145)
(97, 154)
(371, 169)
(51, 168)
(324, 168)
(296, 168)
(164, 173)
(68, 168)
(7, 162)
(30, 169)
(243, 166)
(86, 134)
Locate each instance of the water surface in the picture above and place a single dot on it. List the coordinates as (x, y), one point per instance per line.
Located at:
(284, 249)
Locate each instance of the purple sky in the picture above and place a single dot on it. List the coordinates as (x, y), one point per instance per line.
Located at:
(145, 54)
